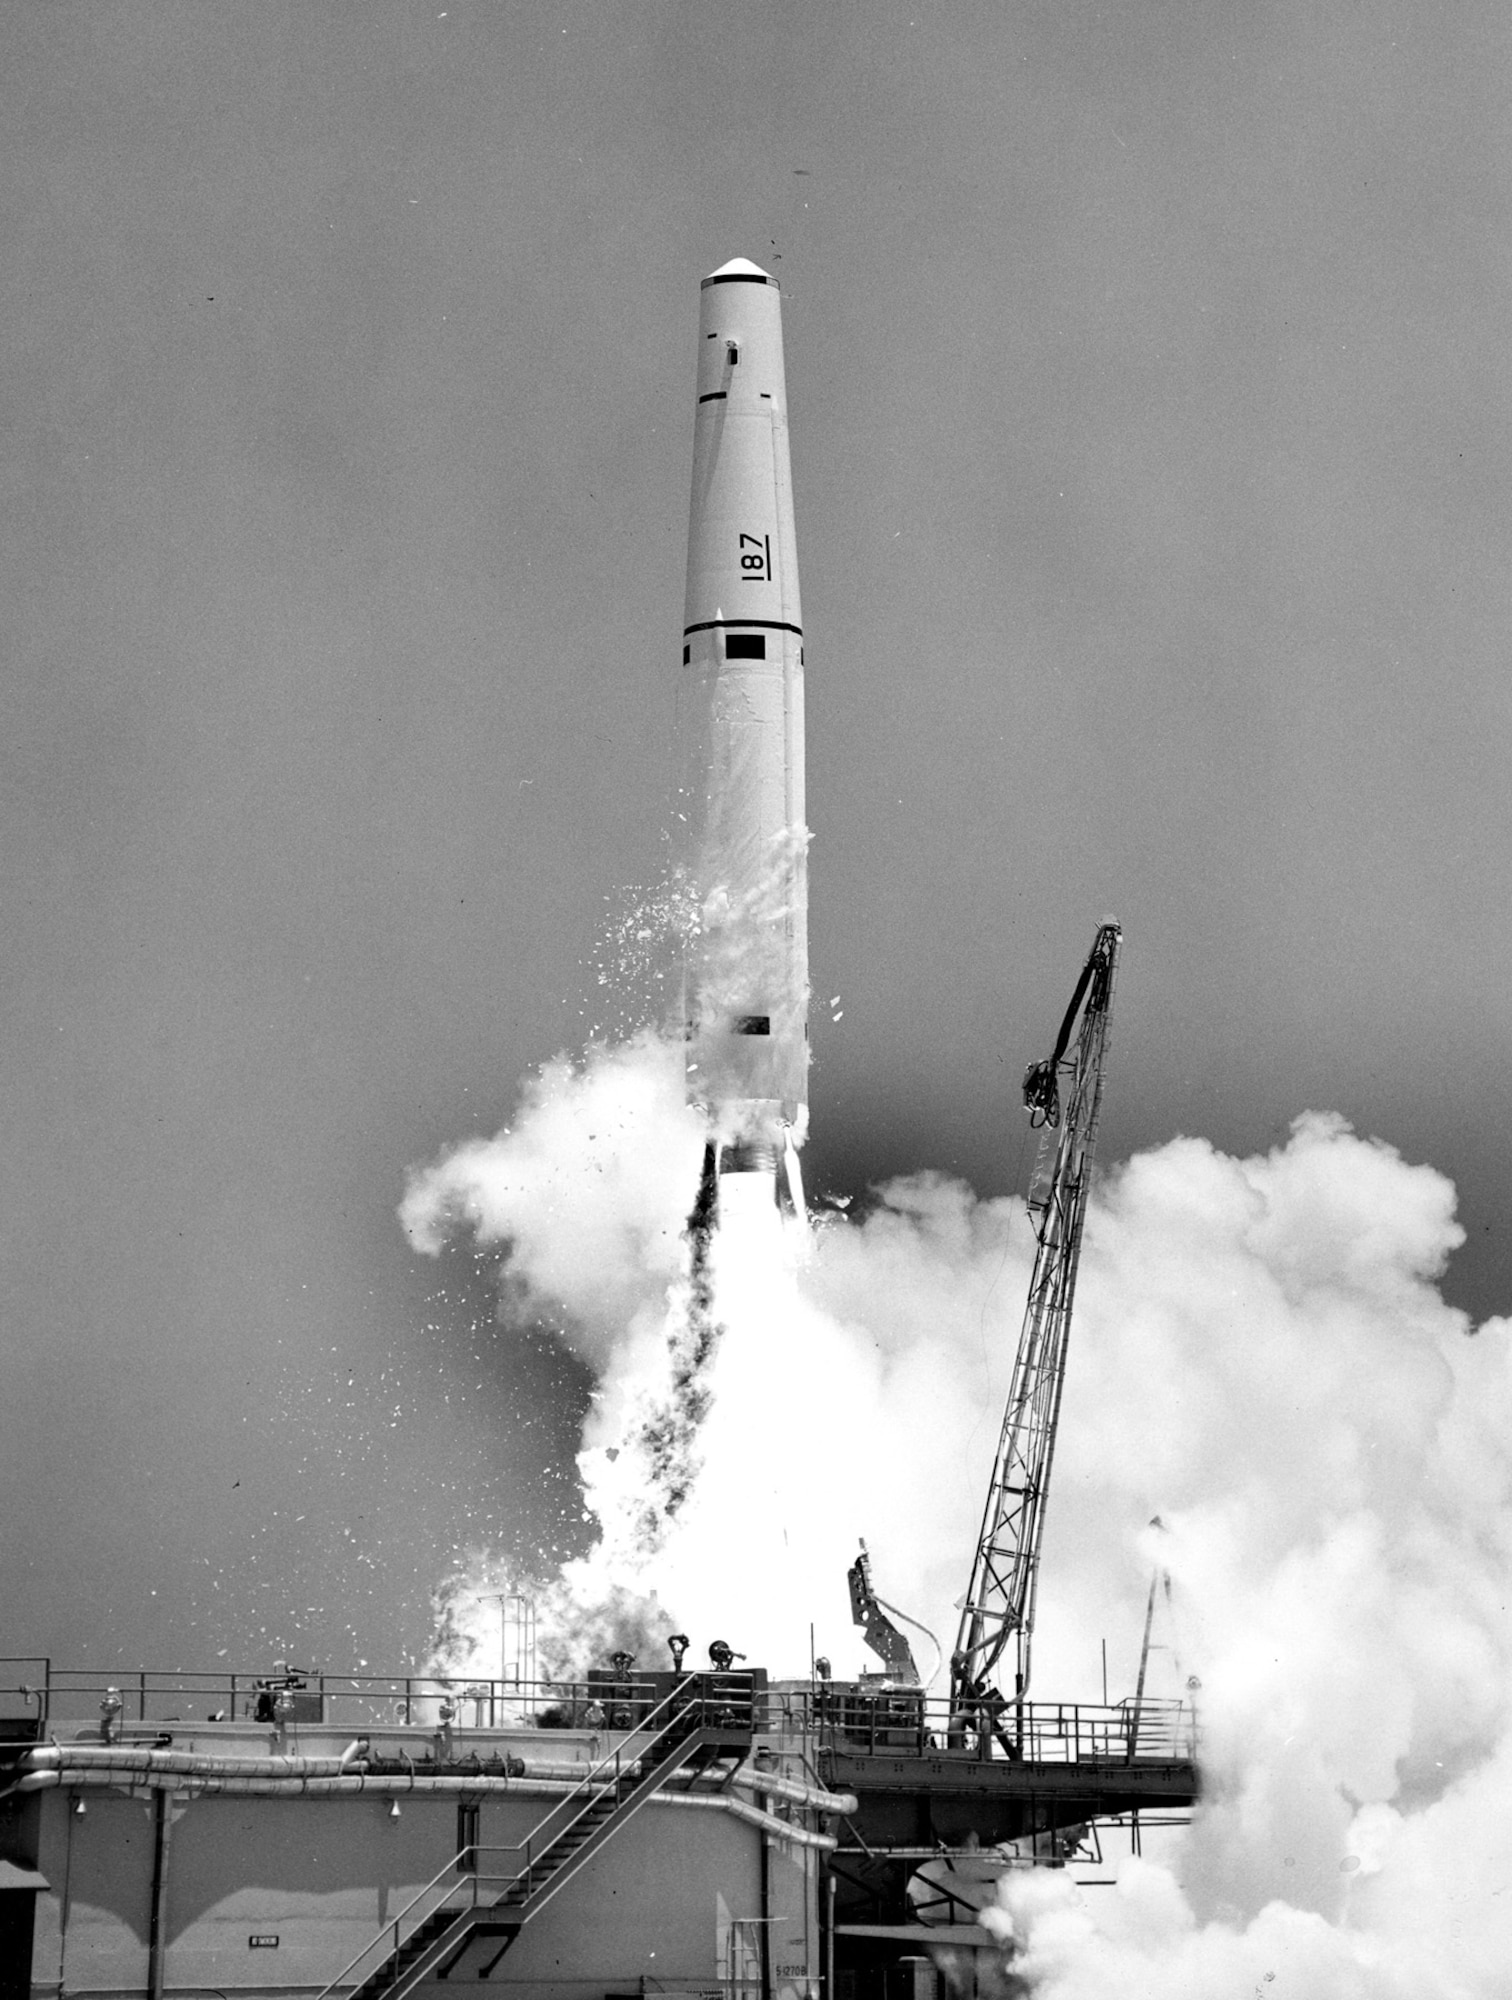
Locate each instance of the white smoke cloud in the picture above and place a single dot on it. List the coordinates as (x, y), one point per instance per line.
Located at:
(1260, 1358)
(587, 1190)
(1263, 1359)
(801, 1451)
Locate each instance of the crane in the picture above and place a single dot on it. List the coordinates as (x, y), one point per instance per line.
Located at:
(1063, 1096)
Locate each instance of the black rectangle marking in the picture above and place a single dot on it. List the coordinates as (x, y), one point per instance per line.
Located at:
(753, 1024)
(745, 646)
(262, 1941)
(761, 624)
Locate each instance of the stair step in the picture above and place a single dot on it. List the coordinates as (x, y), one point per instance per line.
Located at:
(594, 1820)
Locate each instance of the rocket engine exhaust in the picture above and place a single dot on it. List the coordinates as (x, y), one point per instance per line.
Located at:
(741, 725)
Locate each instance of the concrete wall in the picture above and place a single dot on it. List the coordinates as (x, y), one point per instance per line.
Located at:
(648, 1904)
(321, 1875)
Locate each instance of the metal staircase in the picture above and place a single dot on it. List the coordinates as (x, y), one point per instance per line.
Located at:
(705, 1721)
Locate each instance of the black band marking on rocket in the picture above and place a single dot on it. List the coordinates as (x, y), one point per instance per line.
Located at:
(718, 396)
(736, 278)
(757, 624)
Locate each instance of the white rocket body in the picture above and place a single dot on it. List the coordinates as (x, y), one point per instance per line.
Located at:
(746, 986)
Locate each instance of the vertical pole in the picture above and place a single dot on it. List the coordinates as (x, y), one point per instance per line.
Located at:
(1144, 1654)
(157, 1928)
(66, 1902)
(765, 1925)
(829, 1935)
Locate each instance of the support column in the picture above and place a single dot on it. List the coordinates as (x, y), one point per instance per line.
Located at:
(157, 1929)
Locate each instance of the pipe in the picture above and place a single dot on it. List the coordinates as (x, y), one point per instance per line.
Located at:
(780, 1829)
(568, 1770)
(391, 1786)
(796, 1792)
(811, 1797)
(132, 1762)
(111, 1765)
(383, 1786)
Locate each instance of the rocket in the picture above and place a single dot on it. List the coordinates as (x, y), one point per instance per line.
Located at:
(741, 726)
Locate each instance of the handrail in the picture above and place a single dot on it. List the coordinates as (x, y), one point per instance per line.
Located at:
(362, 1700)
(852, 1721)
(681, 1700)
(676, 1704)
(840, 1716)
(381, 1934)
(464, 1874)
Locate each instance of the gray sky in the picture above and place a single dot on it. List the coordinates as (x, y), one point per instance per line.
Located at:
(1149, 396)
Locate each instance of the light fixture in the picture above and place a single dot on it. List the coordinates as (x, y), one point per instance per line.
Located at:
(394, 1810)
(79, 1808)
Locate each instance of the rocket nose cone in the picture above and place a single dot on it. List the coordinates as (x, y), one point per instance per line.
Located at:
(741, 267)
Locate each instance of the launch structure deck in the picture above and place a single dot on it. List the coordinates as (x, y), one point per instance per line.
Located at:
(722, 1833)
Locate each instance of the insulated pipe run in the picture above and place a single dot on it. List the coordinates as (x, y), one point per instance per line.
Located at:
(132, 1762)
(417, 1785)
(797, 1793)
(98, 1764)
(747, 1779)
(794, 1792)
(391, 1785)
(779, 1829)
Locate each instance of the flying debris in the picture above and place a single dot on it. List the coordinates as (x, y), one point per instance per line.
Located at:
(746, 977)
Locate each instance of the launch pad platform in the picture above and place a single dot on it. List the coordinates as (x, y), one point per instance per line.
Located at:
(363, 1837)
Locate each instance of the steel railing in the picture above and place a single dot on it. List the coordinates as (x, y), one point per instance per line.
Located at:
(846, 1717)
(862, 1722)
(688, 1707)
(32, 1688)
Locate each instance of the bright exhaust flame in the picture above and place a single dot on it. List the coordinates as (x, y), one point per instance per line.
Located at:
(728, 1456)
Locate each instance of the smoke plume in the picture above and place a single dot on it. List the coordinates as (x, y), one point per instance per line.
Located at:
(1263, 1361)
(1267, 1401)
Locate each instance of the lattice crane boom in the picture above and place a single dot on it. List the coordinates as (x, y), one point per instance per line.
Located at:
(1064, 1096)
